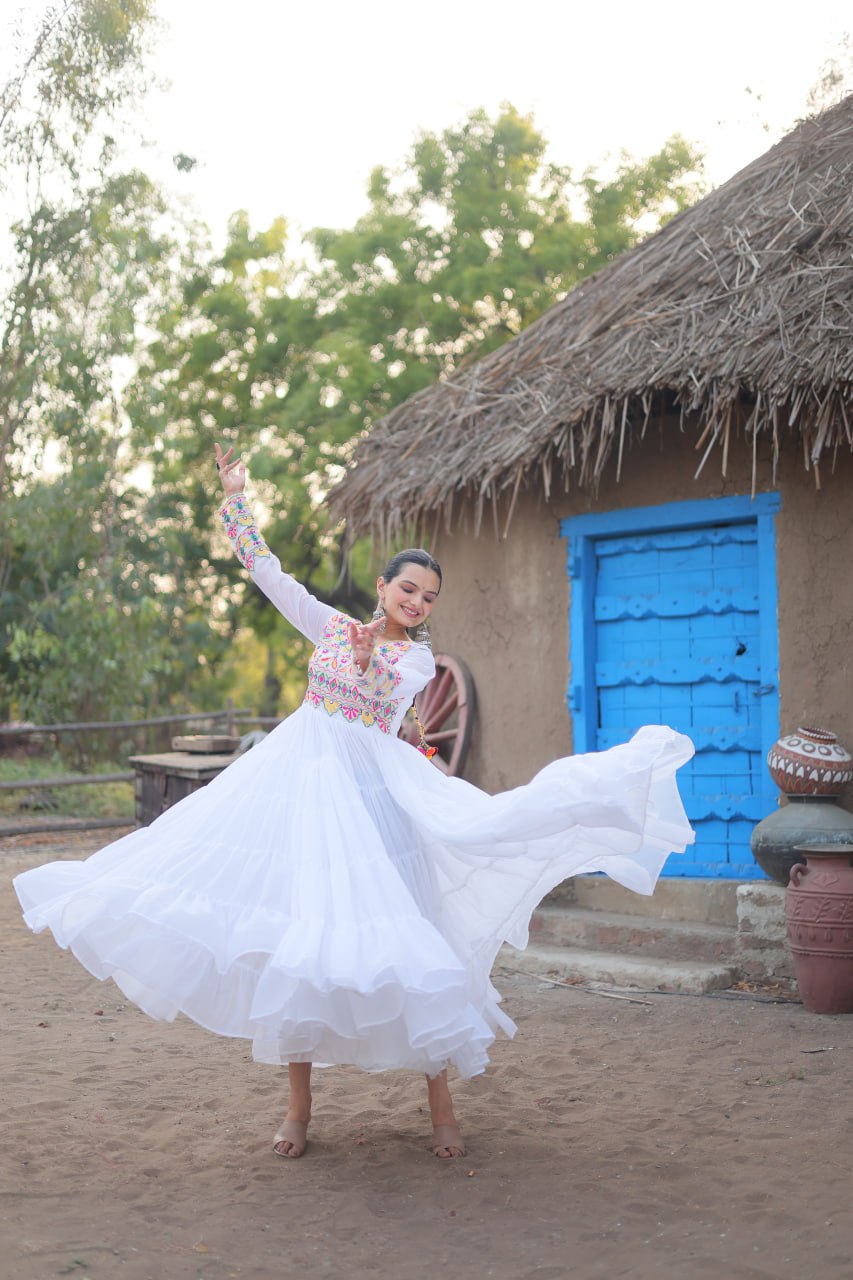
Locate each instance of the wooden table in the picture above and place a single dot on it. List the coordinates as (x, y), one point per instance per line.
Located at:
(162, 780)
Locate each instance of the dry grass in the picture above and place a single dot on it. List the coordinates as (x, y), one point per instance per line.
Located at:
(738, 314)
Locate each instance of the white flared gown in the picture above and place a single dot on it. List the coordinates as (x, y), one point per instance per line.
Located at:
(332, 896)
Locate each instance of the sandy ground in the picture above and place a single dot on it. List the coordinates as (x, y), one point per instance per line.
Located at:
(685, 1137)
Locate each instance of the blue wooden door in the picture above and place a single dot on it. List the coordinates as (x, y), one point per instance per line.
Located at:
(677, 632)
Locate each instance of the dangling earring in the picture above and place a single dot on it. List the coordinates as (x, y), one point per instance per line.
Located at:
(379, 612)
(423, 636)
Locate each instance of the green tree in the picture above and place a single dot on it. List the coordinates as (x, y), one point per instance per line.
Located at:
(95, 629)
(475, 238)
(74, 225)
(88, 255)
(291, 361)
(461, 252)
(214, 367)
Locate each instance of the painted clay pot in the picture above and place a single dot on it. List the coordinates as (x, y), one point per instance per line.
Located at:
(810, 762)
(819, 916)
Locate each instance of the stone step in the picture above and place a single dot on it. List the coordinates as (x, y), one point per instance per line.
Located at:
(705, 901)
(607, 969)
(639, 936)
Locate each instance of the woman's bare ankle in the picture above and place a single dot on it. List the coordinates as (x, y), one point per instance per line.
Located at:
(300, 1110)
(299, 1077)
(440, 1102)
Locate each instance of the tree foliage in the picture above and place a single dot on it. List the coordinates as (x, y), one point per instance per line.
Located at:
(127, 346)
(85, 257)
(80, 228)
(477, 236)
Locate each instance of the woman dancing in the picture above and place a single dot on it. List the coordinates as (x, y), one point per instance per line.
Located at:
(334, 897)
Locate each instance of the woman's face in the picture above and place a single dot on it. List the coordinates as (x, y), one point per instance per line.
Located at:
(408, 598)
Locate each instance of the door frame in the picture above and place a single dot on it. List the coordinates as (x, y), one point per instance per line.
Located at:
(582, 533)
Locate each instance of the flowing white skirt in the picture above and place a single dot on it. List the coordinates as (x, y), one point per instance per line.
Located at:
(335, 898)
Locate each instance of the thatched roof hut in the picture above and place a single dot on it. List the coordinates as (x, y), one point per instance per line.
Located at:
(738, 314)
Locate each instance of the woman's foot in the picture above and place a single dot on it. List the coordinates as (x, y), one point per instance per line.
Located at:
(446, 1138)
(292, 1138)
(447, 1141)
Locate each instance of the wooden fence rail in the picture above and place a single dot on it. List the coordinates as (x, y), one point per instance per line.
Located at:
(66, 780)
(230, 715)
(14, 731)
(65, 824)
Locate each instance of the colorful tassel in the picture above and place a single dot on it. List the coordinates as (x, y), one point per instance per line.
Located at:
(428, 751)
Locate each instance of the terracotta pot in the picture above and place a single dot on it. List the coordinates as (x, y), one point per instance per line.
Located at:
(810, 762)
(819, 913)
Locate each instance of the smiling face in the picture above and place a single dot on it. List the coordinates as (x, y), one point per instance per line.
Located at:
(408, 598)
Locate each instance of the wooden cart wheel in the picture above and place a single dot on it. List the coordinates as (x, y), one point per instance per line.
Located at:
(446, 708)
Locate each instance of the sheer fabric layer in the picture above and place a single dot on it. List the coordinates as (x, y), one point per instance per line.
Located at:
(335, 898)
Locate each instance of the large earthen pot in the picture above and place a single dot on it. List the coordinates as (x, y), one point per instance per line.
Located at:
(819, 914)
(810, 767)
(804, 820)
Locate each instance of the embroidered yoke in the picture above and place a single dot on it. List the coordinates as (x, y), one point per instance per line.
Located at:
(397, 671)
(336, 684)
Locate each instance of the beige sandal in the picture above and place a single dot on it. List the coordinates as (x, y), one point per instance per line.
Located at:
(294, 1132)
(446, 1137)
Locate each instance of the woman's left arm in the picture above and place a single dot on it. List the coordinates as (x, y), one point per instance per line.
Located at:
(290, 597)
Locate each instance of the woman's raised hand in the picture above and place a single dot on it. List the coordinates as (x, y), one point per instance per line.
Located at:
(232, 471)
(362, 638)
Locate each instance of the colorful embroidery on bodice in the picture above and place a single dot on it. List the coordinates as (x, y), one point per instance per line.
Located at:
(333, 688)
(243, 532)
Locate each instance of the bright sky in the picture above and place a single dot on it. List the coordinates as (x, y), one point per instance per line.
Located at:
(287, 106)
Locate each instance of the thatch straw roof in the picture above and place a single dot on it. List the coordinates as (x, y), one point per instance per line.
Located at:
(740, 311)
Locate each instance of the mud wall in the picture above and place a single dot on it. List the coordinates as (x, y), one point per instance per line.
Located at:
(505, 602)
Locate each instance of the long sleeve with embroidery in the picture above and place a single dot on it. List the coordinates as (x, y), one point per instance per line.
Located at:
(401, 677)
(292, 600)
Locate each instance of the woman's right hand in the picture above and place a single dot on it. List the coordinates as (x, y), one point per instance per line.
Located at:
(232, 473)
(362, 638)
